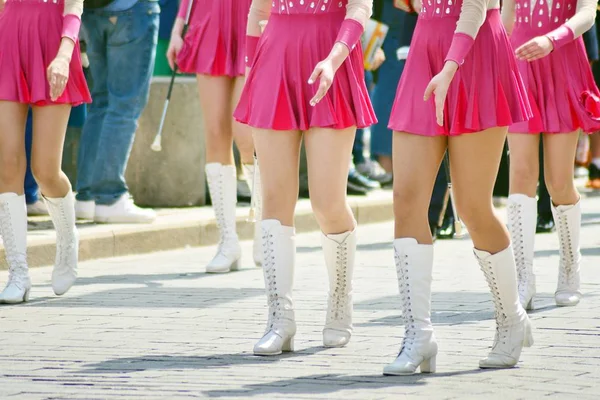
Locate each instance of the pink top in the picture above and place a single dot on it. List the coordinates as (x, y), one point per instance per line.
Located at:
(359, 10)
(471, 13)
(544, 16)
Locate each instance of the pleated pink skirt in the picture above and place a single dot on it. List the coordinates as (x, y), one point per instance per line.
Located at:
(561, 89)
(30, 35)
(487, 90)
(215, 41)
(277, 94)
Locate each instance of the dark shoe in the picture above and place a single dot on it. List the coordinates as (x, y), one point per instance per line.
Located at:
(358, 180)
(545, 223)
(447, 231)
(593, 177)
(372, 170)
(356, 190)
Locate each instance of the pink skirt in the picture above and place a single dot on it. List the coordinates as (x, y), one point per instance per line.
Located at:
(215, 41)
(561, 88)
(486, 92)
(277, 94)
(30, 32)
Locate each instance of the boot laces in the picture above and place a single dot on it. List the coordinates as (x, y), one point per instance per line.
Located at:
(502, 326)
(567, 258)
(406, 301)
(518, 243)
(273, 299)
(17, 262)
(338, 300)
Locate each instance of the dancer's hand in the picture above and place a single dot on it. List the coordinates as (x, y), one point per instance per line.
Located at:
(1, 5)
(438, 86)
(175, 46)
(326, 69)
(58, 76)
(536, 48)
(378, 59)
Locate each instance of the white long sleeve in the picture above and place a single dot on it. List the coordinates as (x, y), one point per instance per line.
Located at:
(360, 10)
(73, 7)
(473, 14)
(584, 17)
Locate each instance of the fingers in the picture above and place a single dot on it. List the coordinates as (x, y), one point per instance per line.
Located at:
(323, 88)
(171, 58)
(58, 83)
(429, 91)
(529, 50)
(316, 73)
(439, 108)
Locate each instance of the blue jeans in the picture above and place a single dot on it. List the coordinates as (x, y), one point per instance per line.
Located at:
(400, 33)
(121, 56)
(31, 186)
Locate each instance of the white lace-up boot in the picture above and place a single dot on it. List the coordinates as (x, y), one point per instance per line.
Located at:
(62, 212)
(568, 226)
(522, 214)
(13, 227)
(339, 253)
(513, 329)
(279, 253)
(222, 183)
(414, 266)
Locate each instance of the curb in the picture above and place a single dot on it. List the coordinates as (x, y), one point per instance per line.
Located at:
(177, 229)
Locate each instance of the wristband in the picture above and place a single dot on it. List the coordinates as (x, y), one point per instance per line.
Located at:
(71, 25)
(183, 9)
(460, 47)
(350, 33)
(251, 45)
(561, 36)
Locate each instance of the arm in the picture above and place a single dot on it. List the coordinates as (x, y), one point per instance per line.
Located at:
(508, 15)
(472, 16)
(358, 13)
(72, 20)
(260, 10)
(582, 21)
(177, 30)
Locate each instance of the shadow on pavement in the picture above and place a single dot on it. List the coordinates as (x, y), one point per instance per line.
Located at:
(179, 362)
(331, 383)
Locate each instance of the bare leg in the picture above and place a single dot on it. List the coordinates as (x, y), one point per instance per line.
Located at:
(278, 155)
(13, 215)
(559, 151)
(416, 163)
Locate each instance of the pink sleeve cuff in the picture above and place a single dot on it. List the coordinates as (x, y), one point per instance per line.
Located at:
(350, 33)
(70, 28)
(183, 9)
(460, 47)
(561, 36)
(251, 45)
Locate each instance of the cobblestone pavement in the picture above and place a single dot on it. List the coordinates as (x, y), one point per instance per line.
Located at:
(156, 327)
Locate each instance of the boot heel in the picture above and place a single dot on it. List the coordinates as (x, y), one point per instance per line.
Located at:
(428, 365)
(528, 339)
(529, 306)
(288, 345)
(26, 296)
(235, 266)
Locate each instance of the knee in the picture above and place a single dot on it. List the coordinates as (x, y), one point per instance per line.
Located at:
(476, 215)
(218, 128)
(45, 176)
(13, 167)
(559, 186)
(330, 212)
(524, 173)
(407, 204)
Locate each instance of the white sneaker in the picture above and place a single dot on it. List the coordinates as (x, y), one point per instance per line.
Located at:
(85, 209)
(124, 211)
(37, 208)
